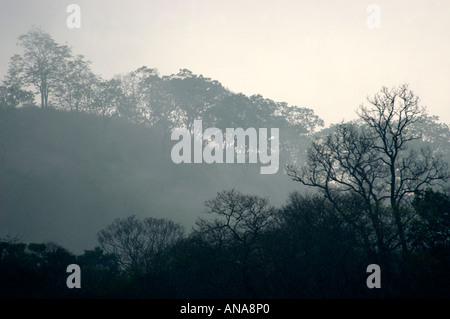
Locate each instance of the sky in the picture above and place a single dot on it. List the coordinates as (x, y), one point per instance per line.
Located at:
(325, 55)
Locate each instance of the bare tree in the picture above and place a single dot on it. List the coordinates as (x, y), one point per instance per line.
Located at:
(390, 116)
(241, 218)
(240, 222)
(137, 244)
(346, 164)
(373, 162)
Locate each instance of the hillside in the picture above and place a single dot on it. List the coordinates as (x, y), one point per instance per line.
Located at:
(63, 179)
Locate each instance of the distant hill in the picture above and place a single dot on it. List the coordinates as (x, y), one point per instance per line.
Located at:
(97, 149)
(62, 178)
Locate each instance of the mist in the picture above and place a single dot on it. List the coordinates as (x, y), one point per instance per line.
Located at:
(269, 154)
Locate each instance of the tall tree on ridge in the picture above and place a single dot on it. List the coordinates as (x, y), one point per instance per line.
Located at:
(42, 64)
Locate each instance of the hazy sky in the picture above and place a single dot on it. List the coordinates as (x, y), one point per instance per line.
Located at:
(316, 54)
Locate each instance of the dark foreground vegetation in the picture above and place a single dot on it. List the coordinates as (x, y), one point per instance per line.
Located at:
(247, 250)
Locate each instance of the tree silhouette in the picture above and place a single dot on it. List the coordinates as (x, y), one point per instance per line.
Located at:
(138, 243)
(42, 64)
(241, 221)
(12, 94)
(390, 117)
(78, 87)
(364, 159)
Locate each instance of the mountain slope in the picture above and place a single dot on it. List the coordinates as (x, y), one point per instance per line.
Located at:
(64, 176)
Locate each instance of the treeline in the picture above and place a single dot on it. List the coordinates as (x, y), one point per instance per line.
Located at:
(50, 73)
(242, 248)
